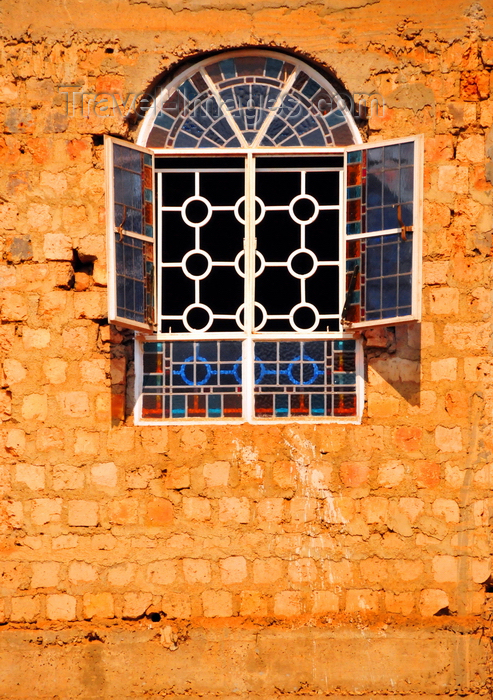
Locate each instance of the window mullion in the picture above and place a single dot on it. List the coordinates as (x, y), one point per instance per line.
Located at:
(249, 315)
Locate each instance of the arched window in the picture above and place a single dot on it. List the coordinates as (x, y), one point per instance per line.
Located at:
(250, 233)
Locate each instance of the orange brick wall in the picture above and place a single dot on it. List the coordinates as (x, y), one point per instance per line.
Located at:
(380, 529)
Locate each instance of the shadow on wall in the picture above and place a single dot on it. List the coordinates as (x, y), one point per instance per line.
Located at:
(393, 357)
(122, 374)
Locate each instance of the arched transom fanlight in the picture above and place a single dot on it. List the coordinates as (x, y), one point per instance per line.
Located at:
(248, 99)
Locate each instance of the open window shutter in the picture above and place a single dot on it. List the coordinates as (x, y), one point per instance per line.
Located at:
(383, 233)
(131, 234)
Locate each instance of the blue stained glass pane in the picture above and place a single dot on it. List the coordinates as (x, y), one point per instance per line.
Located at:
(311, 88)
(128, 158)
(181, 351)
(391, 186)
(344, 378)
(306, 125)
(407, 153)
(233, 143)
(374, 220)
(201, 117)
(192, 128)
(389, 293)
(266, 351)
(275, 127)
(405, 290)
(185, 141)
(354, 192)
(337, 117)
(148, 195)
(345, 345)
(223, 128)
(239, 117)
(354, 157)
(407, 184)
(188, 90)
(272, 67)
(297, 115)
(282, 405)
(391, 156)
(147, 159)
(149, 231)
(164, 121)
(205, 143)
(375, 158)
(250, 136)
(285, 133)
(288, 351)
(228, 68)
(390, 217)
(214, 406)
(353, 228)
(406, 255)
(373, 298)
(389, 259)
(178, 406)
(374, 190)
(317, 405)
(293, 141)
(373, 261)
(315, 138)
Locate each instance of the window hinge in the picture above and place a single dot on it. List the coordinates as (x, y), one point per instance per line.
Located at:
(349, 294)
(404, 229)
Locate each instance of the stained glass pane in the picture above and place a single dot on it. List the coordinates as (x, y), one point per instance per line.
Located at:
(192, 380)
(310, 378)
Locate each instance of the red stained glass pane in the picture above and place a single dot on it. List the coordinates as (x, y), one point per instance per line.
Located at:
(344, 405)
(196, 406)
(353, 174)
(300, 405)
(232, 404)
(264, 405)
(354, 210)
(152, 406)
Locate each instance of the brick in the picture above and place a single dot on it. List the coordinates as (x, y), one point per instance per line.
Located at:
(177, 478)
(338, 509)
(399, 603)
(98, 605)
(374, 509)
(14, 371)
(325, 602)
(270, 510)
(480, 570)
(33, 477)
(135, 605)
(448, 439)
(49, 439)
(86, 443)
(159, 512)
(453, 178)
(25, 608)
(13, 306)
(197, 570)
(432, 600)
(234, 510)
(253, 603)
(267, 571)
(81, 572)
(121, 440)
(302, 570)
(426, 473)
(454, 476)
(380, 406)
(216, 474)
(162, 572)
(74, 404)
(123, 512)
(15, 443)
(446, 509)
(66, 477)
(35, 407)
(89, 305)
(55, 370)
(60, 606)
(83, 513)
(139, 478)
(121, 574)
(445, 569)
(373, 569)
(432, 527)
(354, 474)
(217, 603)
(408, 569)
(444, 370)
(57, 246)
(46, 510)
(391, 474)
(196, 508)
(155, 440)
(11, 515)
(444, 301)
(64, 542)
(45, 574)
(471, 148)
(439, 148)
(233, 570)
(287, 603)
(176, 606)
(104, 475)
(435, 272)
(467, 336)
(364, 599)
(36, 338)
(284, 474)
(93, 371)
(303, 510)
(338, 573)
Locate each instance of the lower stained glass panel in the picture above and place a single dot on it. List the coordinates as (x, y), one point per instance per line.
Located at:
(305, 379)
(192, 380)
